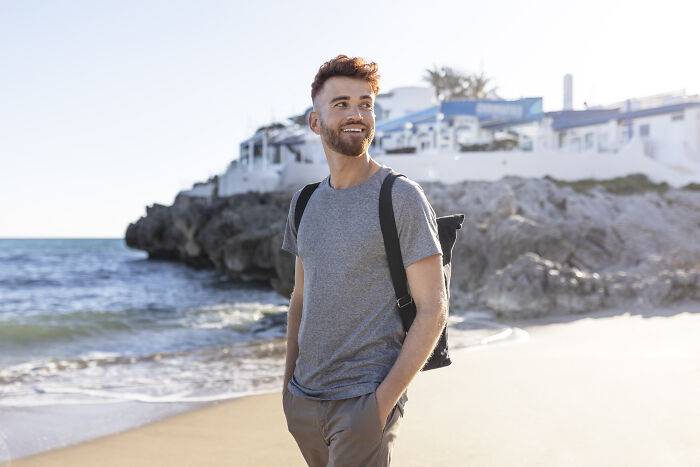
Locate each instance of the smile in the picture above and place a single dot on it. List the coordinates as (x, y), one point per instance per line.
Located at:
(352, 130)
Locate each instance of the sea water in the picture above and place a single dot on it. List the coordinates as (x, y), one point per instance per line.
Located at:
(96, 338)
(92, 323)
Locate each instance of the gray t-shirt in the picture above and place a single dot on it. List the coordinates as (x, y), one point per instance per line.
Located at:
(350, 333)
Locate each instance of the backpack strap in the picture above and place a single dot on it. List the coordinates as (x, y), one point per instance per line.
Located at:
(391, 243)
(447, 234)
(393, 252)
(304, 196)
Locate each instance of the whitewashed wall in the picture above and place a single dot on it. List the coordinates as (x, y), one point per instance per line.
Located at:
(452, 167)
(491, 166)
(671, 141)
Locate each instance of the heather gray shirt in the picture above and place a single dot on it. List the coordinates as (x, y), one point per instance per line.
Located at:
(350, 333)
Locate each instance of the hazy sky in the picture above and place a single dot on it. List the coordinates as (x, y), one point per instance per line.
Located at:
(109, 106)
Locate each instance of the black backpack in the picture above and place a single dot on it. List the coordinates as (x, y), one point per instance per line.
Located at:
(447, 233)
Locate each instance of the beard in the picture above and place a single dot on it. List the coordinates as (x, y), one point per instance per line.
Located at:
(347, 144)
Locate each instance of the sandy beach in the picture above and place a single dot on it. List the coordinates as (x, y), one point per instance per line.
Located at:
(607, 389)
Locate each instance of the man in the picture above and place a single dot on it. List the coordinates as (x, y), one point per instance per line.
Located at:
(348, 364)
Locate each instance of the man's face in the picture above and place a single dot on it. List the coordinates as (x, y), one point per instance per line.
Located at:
(344, 115)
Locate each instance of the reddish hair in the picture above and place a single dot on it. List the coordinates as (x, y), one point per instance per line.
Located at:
(342, 65)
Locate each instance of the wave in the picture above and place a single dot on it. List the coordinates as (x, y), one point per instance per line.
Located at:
(29, 333)
(70, 325)
(164, 377)
(115, 397)
(43, 368)
(29, 282)
(91, 397)
(248, 321)
(16, 258)
(477, 330)
(92, 278)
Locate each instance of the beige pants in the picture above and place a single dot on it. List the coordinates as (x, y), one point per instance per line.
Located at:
(344, 432)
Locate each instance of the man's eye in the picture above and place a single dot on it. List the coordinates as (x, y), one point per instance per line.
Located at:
(367, 106)
(340, 104)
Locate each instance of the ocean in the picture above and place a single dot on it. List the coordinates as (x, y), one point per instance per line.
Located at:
(96, 338)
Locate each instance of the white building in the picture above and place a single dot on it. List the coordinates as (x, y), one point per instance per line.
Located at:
(667, 125)
(403, 101)
(276, 157)
(485, 140)
(463, 125)
(286, 155)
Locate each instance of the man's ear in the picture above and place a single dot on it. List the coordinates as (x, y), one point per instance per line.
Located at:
(314, 123)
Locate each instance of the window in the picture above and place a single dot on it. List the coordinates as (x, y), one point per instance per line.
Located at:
(626, 132)
(677, 117)
(644, 130)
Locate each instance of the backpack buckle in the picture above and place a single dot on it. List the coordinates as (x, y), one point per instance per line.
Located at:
(406, 303)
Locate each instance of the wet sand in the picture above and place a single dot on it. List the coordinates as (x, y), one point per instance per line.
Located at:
(608, 389)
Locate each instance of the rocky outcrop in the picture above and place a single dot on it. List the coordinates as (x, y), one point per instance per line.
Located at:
(155, 233)
(239, 236)
(533, 287)
(528, 247)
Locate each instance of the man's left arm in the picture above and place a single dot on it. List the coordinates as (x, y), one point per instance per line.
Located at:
(427, 287)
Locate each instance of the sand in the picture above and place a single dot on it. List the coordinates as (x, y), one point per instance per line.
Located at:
(609, 389)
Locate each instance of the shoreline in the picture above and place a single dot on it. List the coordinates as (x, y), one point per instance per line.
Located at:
(618, 374)
(28, 430)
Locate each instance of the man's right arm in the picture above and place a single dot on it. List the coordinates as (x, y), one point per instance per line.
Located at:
(293, 321)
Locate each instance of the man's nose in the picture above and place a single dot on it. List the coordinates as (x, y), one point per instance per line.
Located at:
(354, 113)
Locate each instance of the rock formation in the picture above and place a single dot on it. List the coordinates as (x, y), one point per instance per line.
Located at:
(529, 247)
(239, 236)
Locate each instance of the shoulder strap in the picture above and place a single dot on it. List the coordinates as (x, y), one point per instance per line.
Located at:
(447, 233)
(304, 196)
(393, 251)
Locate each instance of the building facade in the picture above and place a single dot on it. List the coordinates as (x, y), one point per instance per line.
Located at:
(663, 129)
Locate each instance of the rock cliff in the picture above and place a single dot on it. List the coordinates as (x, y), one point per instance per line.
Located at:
(529, 247)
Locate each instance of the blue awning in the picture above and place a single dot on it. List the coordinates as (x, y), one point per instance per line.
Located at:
(491, 113)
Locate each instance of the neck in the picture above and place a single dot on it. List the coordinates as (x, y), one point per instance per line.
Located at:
(348, 171)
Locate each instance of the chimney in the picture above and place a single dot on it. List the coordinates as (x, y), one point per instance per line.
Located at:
(568, 92)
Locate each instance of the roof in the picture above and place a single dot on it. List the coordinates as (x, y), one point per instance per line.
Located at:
(575, 118)
(423, 116)
(288, 141)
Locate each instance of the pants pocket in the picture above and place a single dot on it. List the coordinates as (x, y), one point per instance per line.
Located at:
(375, 410)
(377, 416)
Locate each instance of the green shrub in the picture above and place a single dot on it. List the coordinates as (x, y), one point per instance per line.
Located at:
(629, 185)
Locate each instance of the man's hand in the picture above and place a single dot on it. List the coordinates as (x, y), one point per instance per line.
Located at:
(384, 404)
(427, 287)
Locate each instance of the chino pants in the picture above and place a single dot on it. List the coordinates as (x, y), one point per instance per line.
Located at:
(344, 432)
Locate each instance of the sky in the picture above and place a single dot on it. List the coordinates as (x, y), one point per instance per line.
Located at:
(107, 107)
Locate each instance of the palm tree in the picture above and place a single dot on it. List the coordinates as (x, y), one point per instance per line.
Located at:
(476, 87)
(434, 77)
(450, 84)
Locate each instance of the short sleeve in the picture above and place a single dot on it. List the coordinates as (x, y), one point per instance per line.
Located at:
(416, 222)
(289, 243)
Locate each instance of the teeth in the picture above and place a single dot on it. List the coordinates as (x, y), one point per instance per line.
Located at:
(356, 130)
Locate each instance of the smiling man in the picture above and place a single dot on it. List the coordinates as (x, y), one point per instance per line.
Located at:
(349, 361)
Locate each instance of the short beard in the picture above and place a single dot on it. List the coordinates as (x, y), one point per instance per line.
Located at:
(334, 140)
